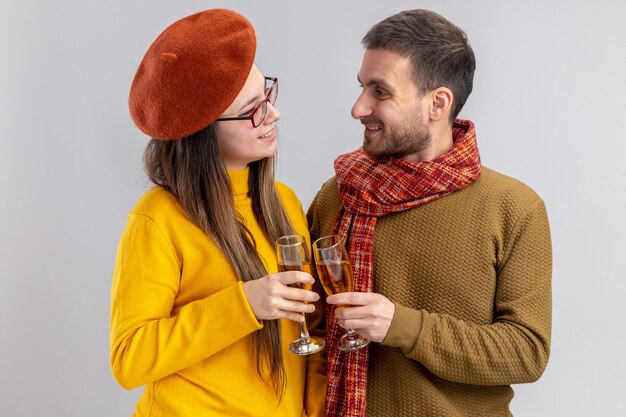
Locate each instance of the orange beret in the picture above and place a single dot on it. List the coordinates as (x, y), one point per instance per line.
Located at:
(191, 73)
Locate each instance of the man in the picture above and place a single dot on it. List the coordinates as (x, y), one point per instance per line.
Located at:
(452, 261)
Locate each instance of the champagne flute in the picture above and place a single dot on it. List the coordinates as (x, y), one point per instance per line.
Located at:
(293, 255)
(335, 274)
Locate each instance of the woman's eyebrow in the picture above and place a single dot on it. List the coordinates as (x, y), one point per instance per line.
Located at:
(252, 100)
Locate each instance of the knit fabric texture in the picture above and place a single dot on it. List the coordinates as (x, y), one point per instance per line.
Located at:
(470, 277)
(371, 187)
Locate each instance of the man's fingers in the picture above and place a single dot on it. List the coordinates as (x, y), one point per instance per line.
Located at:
(351, 298)
(360, 312)
(354, 324)
(370, 320)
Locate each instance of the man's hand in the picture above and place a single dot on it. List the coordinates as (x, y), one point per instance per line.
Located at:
(370, 314)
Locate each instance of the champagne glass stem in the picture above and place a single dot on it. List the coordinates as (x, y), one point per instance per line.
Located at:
(304, 331)
(352, 341)
(352, 334)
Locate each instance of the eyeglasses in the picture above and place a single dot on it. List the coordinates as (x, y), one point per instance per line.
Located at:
(257, 115)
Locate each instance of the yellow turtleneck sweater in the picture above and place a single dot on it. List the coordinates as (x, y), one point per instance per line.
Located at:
(181, 324)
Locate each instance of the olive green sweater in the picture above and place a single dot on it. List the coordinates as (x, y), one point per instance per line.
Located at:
(470, 277)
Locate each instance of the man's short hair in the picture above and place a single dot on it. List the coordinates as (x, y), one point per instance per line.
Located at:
(439, 51)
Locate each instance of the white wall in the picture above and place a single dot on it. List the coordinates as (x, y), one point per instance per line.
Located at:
(548, 97)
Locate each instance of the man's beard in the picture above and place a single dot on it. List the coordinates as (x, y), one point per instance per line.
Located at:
(410, 139)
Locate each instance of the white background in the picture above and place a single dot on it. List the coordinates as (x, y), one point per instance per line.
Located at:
(547, 102)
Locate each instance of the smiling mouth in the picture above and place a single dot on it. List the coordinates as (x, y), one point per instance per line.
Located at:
(267, 135)
(371, 124)
(372, 128)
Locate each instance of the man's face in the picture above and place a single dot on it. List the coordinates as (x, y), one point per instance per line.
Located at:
(390, 106)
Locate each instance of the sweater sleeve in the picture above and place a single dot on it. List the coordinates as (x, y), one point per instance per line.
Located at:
(148, 342)
(515, 347)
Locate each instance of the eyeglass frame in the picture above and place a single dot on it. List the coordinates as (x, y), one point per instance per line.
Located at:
(266, 100)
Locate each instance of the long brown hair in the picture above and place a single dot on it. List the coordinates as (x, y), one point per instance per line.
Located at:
(192, 170)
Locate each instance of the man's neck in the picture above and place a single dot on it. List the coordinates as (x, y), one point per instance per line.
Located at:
(441, 142)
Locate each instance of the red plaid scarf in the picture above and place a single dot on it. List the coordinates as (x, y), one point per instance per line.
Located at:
(370, 189)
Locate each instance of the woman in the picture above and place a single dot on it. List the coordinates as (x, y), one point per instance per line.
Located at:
(199, 314)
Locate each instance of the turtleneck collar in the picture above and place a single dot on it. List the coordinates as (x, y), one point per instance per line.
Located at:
(239, 181)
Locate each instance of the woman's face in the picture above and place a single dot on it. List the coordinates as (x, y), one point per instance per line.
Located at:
(240, 142)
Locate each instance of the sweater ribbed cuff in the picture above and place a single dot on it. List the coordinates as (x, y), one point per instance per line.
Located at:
(245, 306)
(404, 329)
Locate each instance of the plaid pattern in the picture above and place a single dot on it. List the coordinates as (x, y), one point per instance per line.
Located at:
(369, 188)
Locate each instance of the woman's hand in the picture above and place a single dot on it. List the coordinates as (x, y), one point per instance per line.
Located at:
(271, 297)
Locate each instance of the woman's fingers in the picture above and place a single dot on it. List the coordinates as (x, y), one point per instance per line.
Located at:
(271, 297)
(293, 277)
(296, 283)
(297, 306)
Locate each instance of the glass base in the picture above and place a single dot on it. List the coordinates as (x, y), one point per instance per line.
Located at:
(307, 345)
(349, 342)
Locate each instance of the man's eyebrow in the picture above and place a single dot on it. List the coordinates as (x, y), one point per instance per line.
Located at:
(376, 82)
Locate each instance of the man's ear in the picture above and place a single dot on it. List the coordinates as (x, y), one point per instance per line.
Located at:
(441, 103)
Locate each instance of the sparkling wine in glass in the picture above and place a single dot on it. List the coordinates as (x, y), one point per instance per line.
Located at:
(293, 255)
(335, 274)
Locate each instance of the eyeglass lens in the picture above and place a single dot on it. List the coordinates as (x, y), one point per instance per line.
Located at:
(261, 111)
